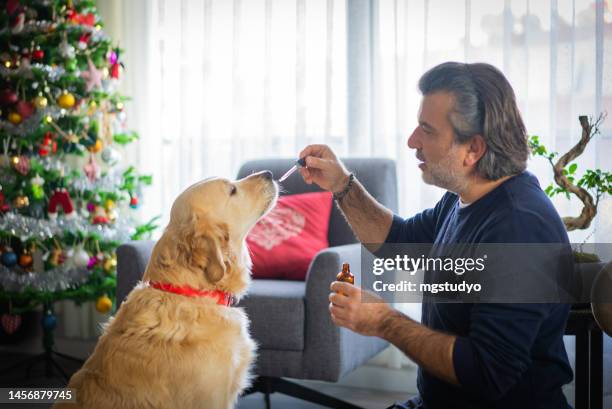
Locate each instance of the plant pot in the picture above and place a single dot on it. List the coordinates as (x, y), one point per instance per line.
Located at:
(585, 275)
(601, 296)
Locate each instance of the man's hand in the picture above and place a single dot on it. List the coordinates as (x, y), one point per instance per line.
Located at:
(323, 168)
(367, 314)
(358, 310)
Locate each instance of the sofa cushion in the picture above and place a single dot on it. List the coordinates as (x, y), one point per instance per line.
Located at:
(277, 314)
(285, 241)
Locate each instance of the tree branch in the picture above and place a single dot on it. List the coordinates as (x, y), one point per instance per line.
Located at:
(589, 210)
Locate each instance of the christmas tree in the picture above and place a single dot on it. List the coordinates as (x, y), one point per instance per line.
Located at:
(67, 199)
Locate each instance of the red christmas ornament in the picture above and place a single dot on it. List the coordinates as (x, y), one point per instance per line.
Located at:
(134, 202)
(100, 216)
(88, 19)
(72, 16)
(18, 23)
(61, 198)
(84, 38)
(115, 71)
(25, 109)
(48, 145)
(4, 207)
(12, 6)
(49, 140)
(8, 97)
(38, 54)
(10, 323)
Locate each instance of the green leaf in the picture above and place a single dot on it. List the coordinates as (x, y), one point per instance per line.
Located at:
(125, 138)
(572, 168)
(145, 179)
(549, 189)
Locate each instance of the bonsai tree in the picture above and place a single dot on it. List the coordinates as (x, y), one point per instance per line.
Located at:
(590, 188)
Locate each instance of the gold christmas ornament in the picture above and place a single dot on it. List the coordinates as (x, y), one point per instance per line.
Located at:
(14, 118)
(21, 201)
(104, 304)
(40, 102)
(110, 204)
(110, 264)
(66, 100)
(96, 147)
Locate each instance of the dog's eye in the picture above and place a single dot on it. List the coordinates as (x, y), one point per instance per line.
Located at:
(233, 190)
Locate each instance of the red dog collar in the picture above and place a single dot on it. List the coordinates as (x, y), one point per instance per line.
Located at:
(222, 297)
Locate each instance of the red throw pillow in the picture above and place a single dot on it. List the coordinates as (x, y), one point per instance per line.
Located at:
(286, 240)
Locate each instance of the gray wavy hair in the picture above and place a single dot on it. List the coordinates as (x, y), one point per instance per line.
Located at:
(484, 105)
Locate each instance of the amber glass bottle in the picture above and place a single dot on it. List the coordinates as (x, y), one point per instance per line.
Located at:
(346, 275)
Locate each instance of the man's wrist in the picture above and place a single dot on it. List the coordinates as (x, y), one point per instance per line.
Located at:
(339, 187)
(347, 183)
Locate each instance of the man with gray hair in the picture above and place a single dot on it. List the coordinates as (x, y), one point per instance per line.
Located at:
(471, 141)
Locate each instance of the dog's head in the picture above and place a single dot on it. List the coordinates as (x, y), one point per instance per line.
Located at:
(204, 243)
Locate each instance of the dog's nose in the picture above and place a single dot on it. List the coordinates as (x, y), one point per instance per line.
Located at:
(266, 174)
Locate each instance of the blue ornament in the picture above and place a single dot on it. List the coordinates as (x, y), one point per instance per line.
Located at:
(9, 258)
(49, 321)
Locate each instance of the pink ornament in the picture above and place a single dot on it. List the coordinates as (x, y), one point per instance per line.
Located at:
(92, 262)
(92, 170)
(91, 207)
(93, 77)
(112, 58)
(23, 165)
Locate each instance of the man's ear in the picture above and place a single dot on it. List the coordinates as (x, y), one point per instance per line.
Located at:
(477, 147)
(204, 246)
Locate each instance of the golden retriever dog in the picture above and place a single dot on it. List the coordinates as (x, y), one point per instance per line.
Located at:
(189, 349)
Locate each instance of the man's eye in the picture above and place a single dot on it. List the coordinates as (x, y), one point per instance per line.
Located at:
(233, 191)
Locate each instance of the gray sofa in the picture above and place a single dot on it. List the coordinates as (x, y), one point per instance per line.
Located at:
(290, 319)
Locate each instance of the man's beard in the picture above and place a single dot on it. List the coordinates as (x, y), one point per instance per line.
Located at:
(444, 173)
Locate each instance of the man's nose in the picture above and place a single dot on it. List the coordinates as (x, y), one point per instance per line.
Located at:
(413, 142)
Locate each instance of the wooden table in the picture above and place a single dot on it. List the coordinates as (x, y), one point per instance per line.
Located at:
(589, 358)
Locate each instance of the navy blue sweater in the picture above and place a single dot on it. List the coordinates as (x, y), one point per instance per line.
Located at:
(505, 355)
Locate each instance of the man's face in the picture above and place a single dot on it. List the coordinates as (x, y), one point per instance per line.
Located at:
(441, 158)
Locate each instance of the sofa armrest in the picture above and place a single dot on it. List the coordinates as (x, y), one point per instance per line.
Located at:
(132, 260)
(339, 348)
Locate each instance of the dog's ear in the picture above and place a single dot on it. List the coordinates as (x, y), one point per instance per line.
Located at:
(204, 245)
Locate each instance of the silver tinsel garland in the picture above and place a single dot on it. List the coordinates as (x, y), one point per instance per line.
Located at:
(57, 279)
(27, 228)
(53, 73)
(39, 26)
